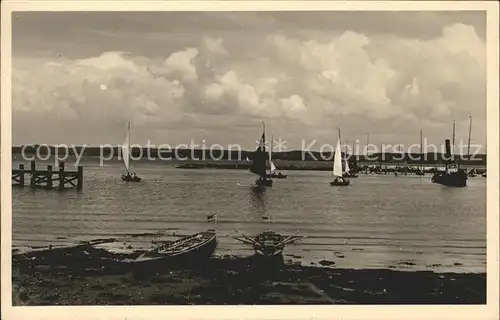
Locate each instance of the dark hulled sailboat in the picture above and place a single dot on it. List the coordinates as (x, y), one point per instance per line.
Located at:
(453, 175)
(260, 160)
(348, 172)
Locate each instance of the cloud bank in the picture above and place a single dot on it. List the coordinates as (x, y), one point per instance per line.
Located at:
(221, 87)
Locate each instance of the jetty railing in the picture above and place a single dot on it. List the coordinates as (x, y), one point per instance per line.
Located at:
(49, 178)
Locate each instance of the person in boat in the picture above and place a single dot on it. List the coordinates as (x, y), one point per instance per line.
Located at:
(339, 179)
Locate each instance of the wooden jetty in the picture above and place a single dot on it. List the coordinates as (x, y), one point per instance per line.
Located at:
(48, 179)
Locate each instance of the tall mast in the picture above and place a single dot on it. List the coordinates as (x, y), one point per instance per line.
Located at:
(367, 142)
(128, 147)
(381, 156)
(263, 146)
(340, 143)
(264, 143)
(453, 143)
(468, 144)
(421, 151)
(271, 150)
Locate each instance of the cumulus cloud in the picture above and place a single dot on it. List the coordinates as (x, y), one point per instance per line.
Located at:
(181, 63)
(215, 45)
(315, 82)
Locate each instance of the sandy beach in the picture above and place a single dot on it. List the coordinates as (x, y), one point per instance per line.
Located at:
(86, 276)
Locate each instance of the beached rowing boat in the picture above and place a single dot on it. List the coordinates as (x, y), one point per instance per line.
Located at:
(191, 248)
(268, 243)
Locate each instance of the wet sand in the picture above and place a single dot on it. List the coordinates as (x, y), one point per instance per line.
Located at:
(88, 276)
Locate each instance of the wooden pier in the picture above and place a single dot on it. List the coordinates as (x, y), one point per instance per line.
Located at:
(47, 179)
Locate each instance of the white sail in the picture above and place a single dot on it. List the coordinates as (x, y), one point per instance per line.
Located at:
(273, 167)
(126, 150)
(337, 161)
(346, 163)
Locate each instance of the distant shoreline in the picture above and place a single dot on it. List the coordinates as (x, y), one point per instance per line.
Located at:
(196, 155)
(282, 165)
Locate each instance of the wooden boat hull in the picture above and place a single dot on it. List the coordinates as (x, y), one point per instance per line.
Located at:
(130, 179)
(268, 244)
(343, 183)
(199, 252)
(268, 255)
(277, 176)
(450, 179)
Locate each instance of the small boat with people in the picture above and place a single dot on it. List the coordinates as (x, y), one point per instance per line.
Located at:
(278, 175)
(128, 176)
(272, 167)
(338, 172)
(472, 173)
(348, 173)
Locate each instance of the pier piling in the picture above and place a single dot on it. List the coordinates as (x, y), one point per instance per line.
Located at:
(61, 175)
(49, 176)
(44, 179)
(79, 180)
(21, 175)
(33, 174)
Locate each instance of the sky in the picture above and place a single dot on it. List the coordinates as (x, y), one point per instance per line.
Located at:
(178, 77)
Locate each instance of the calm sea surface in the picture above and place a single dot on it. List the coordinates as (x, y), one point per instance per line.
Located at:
(378, 221)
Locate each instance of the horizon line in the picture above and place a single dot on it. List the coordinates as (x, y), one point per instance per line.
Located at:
(251, 151)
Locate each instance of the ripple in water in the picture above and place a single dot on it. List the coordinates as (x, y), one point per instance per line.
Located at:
(374, 223)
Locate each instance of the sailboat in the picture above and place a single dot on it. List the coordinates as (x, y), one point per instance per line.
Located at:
(337, 167)
(128, 177)
(348, 173)
(260, 160)
(272, 171)
(472, 173)
(452, 176)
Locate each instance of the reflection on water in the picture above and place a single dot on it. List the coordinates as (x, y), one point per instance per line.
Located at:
(377, 221)
(258, 201)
